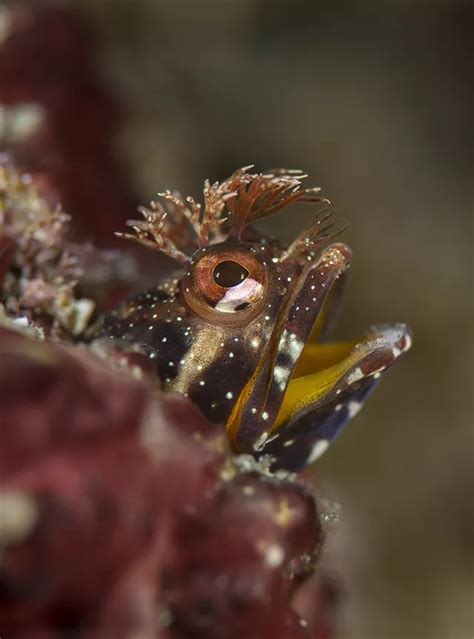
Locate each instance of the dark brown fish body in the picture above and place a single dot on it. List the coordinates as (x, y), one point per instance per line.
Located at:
(229, 329)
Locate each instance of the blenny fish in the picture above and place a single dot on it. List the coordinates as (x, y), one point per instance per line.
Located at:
(241, 327)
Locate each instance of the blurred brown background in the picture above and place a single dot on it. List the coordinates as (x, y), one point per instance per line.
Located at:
(374, 99)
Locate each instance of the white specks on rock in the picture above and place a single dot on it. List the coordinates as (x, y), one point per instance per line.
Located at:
(19, 515)
(273, 555)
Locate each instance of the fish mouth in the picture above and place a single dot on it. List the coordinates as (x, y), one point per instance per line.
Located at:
(295, 375)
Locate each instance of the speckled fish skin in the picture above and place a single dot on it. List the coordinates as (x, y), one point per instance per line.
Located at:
(233, 349)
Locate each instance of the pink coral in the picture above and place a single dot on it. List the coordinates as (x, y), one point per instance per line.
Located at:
(123, 511)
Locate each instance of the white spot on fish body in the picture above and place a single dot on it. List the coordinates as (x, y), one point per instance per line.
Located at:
(353, 408)
(281, 374)
(260, 443)
(319, 448)
(355, 375)
(408, 342)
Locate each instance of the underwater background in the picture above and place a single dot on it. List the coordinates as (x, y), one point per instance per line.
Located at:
(374, 100)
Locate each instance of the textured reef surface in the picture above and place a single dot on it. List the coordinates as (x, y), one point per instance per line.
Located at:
(123, 511)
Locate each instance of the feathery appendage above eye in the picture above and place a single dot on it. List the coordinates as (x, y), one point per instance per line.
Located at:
(174, 223)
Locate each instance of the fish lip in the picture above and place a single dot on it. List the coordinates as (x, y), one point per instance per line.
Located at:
(252, 419)
(323, 402)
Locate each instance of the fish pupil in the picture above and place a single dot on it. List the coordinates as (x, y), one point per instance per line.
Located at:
(228, 274)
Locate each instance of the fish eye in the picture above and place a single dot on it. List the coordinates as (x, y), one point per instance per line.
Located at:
(228, 274)
(226, 286)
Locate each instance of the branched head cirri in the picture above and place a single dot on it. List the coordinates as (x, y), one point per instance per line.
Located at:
(240, 328)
